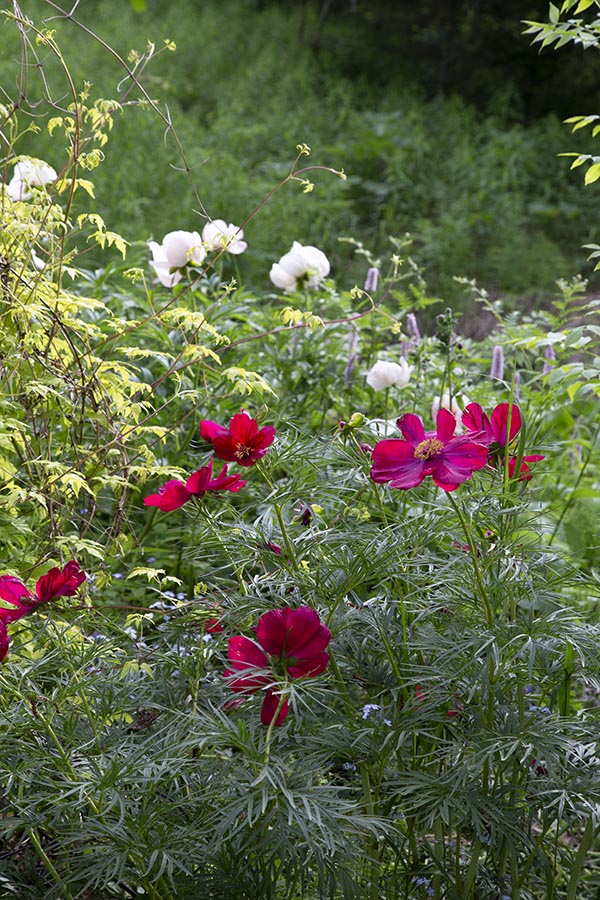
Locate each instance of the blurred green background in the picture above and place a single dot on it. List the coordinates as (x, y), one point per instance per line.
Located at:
(445, 119)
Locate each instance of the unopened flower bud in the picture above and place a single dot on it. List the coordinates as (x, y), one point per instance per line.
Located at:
(356, 420)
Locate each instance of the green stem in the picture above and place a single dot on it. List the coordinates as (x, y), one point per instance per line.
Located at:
(35, 840)
(584, 845)
(473, 552)
(282, 526)
(269, 735)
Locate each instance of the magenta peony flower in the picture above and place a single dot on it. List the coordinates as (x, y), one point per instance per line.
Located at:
(449, 459)
(243, 442)
(292, 641)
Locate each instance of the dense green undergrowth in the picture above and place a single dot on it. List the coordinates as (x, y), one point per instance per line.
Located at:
(245, 86)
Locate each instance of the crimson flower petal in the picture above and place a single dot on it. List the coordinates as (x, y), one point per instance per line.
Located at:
(269, 708)
(225, 482)
(200, 482)
(500, 426)
(306, 635)
(209, 430)
(271, 631)
(412, 429)
(247, 662)
(12, 589)
(60, 582)
(170, 496)
(394, 461)
(525, 473)
(310, 667)
(242, 442)
(446, 425)
(475, 419)
(452, 470)
(241, 651)
(243, 427)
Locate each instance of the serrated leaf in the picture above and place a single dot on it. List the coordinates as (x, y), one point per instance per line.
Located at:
(147, 572)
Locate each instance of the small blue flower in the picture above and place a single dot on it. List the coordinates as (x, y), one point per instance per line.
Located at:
(368, 708)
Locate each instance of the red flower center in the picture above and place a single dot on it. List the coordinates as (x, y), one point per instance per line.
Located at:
(427, 449)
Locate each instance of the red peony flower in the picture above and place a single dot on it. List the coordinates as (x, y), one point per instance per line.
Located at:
(449, 459)
(495, 429)
(497, 432)
(291, 640)
(200, 482)
(60, 582)
(243, 442)
(175, 493)
(55, 583)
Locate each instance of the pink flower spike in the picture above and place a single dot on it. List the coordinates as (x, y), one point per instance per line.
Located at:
(449, 459)
(243, 442)
(200, 482)
(170, 496)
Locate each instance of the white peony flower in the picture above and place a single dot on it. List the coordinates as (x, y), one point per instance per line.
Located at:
(218, 235)
(160, 264)
(385, 374)
(178, 249)
(29, 173)
(301, 266)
